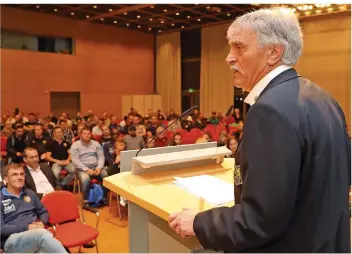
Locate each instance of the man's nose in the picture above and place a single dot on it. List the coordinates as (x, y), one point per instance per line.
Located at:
(230, 59)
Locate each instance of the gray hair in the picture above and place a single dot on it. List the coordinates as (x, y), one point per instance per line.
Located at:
(274, 27)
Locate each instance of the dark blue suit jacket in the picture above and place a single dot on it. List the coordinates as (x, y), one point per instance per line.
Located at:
(295, 159)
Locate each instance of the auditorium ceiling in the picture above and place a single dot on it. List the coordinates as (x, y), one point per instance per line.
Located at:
(162, 18)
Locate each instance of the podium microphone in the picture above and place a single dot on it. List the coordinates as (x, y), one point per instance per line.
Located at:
(186, 113)
(229, 111)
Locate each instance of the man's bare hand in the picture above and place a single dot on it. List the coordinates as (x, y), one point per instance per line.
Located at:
(182, 222)
(91, 172)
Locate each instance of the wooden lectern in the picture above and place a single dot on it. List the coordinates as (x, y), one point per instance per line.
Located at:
(146, 182)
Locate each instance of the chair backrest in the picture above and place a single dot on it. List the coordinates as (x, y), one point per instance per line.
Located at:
(62, 206)
(3, 144)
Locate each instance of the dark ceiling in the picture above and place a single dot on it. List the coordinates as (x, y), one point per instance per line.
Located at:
(151, 18)
(158, 18)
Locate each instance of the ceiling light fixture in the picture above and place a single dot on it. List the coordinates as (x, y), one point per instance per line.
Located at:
(182, 26)
(228, 14)
(72, 13)
(177, 13)
(139, 26)
(110, 9)
(188, 17)
(125, 13)
(94, 6)
(55, 10)
(115, 21)
(138, 16)
(149, 29)
(127, 24)
(152, 7)
(219, 10)
(208, 7)
(199, 20)
(162, 22)
(159, 31)
(172, 24)
(87, 16)
(165, 10)
(102, 19)
(38, 6)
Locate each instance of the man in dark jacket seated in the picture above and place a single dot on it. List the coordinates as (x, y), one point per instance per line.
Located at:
(39, 177)
(23, 217)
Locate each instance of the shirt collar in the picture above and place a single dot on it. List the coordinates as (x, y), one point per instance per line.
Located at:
(6, 193)
(33, 169)
(263, 83)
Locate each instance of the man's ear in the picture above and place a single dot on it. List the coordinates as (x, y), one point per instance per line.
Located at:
(275, 54)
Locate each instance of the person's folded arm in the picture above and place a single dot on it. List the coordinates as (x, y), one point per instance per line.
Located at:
(273, 151)
(101, 157)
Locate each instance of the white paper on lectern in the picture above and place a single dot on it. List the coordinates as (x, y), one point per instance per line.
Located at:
(212, 189)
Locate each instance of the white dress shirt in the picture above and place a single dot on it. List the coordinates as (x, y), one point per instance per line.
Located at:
(264, 82)
(42, 183)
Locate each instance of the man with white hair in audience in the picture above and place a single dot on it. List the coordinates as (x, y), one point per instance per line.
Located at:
(294, 160)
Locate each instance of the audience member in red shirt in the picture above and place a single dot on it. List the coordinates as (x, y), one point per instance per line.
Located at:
(161, 140)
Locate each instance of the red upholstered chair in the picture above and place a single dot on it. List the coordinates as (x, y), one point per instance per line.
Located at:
(63, 208)
(3, 146)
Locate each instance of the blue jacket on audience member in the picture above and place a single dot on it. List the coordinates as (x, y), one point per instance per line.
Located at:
(18, 212)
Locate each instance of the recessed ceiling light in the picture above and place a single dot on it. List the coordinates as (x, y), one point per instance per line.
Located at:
(159, 31)
(199, 20)
(228, 14)
(188, 17)
(138, 16)
(152, 7)
(94, 6)
(177, 13)
(72, 13)
(182, 26)
(165, 10)
(139, 26)
(55, 10)
(127, 24)
(162, 22)
(149, 29)
(208, 7)
(115, 21)
(102, 19)
(150, 19)
(172, 24)
(87, 16)
(219, 10)
(110, 9)
(38, 6)
(125, 13)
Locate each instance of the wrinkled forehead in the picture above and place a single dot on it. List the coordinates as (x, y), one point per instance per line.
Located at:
(239, 33)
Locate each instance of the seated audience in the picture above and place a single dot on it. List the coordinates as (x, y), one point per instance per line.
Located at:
(39, 177)
(88, 158)
(106, 137)
(152, 143)
(39, 142)
(132, 141)
(232, 144)
(174, 126)
(79, 129)
(213, 119)
(176, 139)
(17, 120)
(69, 137)
(237, 116)
(141, 130)
(23, 217)
(98, 130)
(200, 122)
(201, 140)
(145, 122)
(207, 136)
(16, 143)
(161, 140)
(59, 156)
(7, 130)
(154, 124)
(31, 122)
(222, 139)
(114, 162)
(128, 123)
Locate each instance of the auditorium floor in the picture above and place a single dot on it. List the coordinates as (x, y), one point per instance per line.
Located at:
(113, 232)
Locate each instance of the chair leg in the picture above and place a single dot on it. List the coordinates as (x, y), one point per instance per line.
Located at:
(119, 207)
(79, 250)
(96, 244)
(110, 200)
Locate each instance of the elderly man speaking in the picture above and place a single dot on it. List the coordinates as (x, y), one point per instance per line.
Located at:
(294, 157)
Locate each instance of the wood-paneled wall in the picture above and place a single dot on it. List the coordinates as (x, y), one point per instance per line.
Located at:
(142, 103)
(326, 58)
